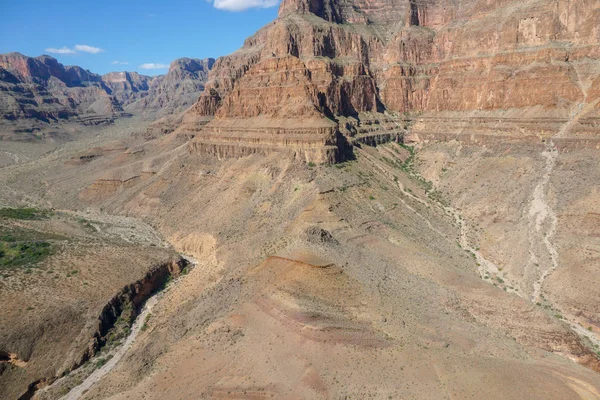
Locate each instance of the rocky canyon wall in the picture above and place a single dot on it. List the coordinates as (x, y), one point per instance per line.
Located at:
(39, 90)
(453, 66)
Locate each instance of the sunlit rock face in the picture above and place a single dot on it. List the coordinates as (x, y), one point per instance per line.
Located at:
(503, 60)
(41, 90)
(177, 90)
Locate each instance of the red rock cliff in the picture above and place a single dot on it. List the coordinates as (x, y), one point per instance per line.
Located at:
(354, 59)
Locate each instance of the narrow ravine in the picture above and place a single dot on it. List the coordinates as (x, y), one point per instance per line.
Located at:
(486, 268)
(542, 218)
(543, 221)
(78, 391)
(117, 355)
(540, 212)
(112, 357)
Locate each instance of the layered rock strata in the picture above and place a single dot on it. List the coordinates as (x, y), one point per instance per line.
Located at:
(41, 89)
(512, 64)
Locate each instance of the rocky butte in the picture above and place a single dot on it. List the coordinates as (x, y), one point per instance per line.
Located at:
(328, 73)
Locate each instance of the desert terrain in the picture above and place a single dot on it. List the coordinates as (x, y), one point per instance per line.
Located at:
(388, 199)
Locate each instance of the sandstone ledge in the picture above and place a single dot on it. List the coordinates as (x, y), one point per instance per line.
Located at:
(310, 140)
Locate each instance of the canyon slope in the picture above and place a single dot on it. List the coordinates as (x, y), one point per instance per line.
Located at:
(36, 92)
(384, 199)
(315, 281)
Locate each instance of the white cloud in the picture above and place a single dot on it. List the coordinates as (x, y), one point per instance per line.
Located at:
(88, 49)
(241, 5)
(119, 62)
(62, 50)
(154, 66)
(78, 47)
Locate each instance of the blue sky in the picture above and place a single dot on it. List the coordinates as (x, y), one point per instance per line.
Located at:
(131, 35)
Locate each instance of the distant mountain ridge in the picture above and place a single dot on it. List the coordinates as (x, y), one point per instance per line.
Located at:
(178, 89)
(43, 90)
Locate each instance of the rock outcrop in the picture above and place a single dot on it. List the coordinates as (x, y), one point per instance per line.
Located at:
(495, 62)
(34, 91)
(42, 89)
(177, 90)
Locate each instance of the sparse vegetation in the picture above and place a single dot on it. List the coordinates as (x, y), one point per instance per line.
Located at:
(23, 213)
(16, 250)
(122, 326)
(87, 225)
(408, 166)
(145, 326)
(436, 196)
(311, 164)
(101, 361)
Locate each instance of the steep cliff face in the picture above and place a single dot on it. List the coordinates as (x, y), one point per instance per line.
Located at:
(177, 90)
(127, 86)
(534, 58)
(42, 89)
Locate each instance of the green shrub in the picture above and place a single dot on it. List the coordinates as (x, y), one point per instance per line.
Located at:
(23, 213)
(145, 326)
(100, 362)
(16, 253)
